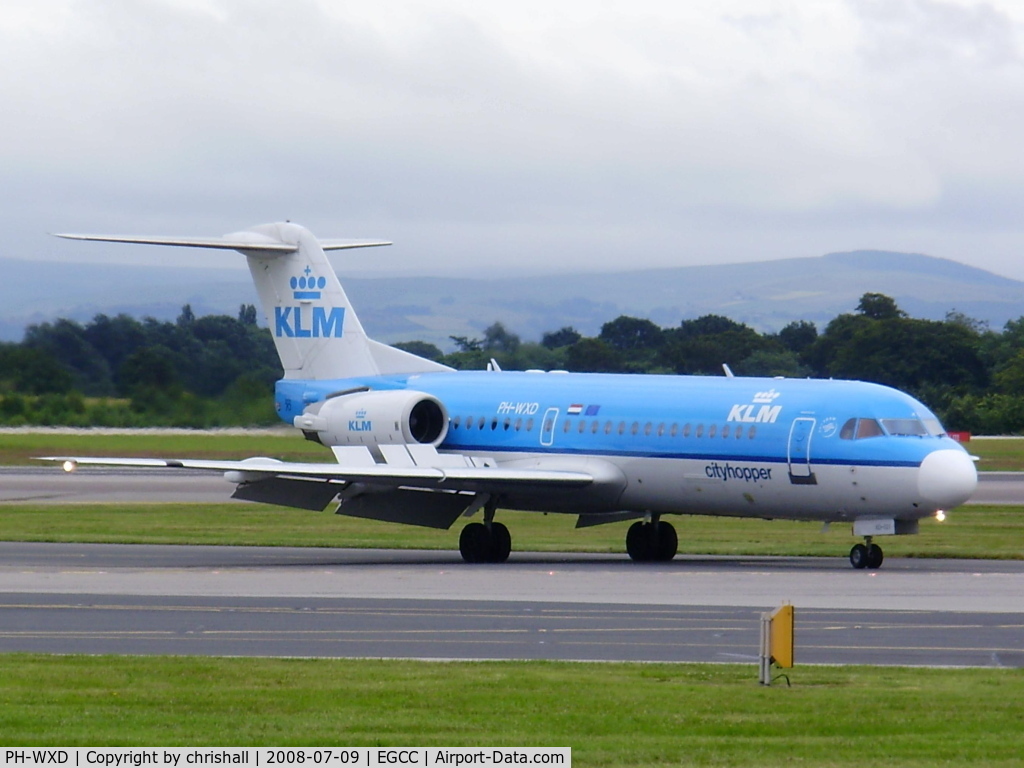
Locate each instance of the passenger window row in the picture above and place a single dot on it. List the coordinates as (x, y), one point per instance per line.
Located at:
(583, 426)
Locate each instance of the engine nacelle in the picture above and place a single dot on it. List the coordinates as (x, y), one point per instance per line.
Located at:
(385, 417)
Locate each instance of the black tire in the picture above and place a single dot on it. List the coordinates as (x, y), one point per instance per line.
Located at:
(667, 542)
(474, 543)
(859, 556)
(501, 543)
(875, 557)
(638, 542)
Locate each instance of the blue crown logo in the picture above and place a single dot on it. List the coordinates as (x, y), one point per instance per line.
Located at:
(308, 286)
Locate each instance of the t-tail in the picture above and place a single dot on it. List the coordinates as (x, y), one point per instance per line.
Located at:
(317, 334)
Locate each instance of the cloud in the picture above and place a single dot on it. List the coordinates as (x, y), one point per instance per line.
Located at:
(525, 135)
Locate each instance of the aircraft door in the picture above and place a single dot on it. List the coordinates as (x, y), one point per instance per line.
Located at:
(547, 431)
(799, 451)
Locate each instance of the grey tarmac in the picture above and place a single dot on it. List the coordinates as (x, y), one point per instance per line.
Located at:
(268, 601)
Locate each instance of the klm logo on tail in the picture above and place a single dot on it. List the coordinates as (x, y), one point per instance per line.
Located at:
(304, 322)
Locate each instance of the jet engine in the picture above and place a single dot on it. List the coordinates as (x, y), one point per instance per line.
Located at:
(386, 417)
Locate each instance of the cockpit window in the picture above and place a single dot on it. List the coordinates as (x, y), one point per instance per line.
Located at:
(848, 430)
(868, 428)
(934, 427)
(911, 427)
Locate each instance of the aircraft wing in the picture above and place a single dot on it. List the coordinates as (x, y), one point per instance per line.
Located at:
(415, 485)
(490, 479)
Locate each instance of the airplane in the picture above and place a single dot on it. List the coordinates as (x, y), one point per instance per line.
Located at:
(419, 443)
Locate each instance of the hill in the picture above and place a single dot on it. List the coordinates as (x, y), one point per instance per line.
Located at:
(765, 295)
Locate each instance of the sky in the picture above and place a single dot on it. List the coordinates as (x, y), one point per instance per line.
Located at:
(525, 137)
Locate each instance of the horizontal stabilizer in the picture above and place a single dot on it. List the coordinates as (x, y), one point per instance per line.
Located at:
(243, 241)
(256, 243)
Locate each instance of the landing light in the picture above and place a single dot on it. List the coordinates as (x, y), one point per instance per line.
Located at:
(940, 516)
(70, 466)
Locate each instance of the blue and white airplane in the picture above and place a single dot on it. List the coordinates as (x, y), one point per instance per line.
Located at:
(419, 443)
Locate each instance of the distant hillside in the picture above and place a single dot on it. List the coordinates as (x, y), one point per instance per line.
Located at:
(765, 295)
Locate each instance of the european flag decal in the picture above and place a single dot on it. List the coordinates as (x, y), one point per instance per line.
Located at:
(592, 410)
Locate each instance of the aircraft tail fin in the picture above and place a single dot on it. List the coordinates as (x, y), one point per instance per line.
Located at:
(315, 330)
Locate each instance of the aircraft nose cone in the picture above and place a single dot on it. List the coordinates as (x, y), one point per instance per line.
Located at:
(947, 478)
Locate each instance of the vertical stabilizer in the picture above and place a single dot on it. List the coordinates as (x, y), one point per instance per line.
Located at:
(317, 334)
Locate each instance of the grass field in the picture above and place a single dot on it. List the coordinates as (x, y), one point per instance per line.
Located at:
(610, 714)
(975, 532)
(18, 448)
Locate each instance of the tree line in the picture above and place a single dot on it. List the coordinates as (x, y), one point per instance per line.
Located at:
(219, 370)
(118, 371)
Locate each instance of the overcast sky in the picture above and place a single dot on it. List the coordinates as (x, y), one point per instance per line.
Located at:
(518, 137)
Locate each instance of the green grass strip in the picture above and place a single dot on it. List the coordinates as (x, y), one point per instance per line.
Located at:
(610, 714)
(18, 448)
(969, 532)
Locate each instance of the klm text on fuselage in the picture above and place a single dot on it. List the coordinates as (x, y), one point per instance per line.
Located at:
(297, 322)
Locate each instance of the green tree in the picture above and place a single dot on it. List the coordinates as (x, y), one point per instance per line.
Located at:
(421, 349)
(878, 306)
(563, 337)
(593, 356)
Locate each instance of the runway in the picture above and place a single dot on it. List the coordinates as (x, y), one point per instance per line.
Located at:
(399, 603)
(376, 603)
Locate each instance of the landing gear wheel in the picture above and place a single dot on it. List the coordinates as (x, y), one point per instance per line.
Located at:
(501, 543)
(480, 544)
(646, 542)
(859, 556)
(667, 542)
(474, 543)
(874, 559)
(638, 542)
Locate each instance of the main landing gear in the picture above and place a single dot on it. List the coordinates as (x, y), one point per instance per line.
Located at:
(486, 542)
(651, 542)
(483, 543)
(866, 555)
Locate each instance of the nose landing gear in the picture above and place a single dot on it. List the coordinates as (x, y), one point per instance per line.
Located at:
(866, 555)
